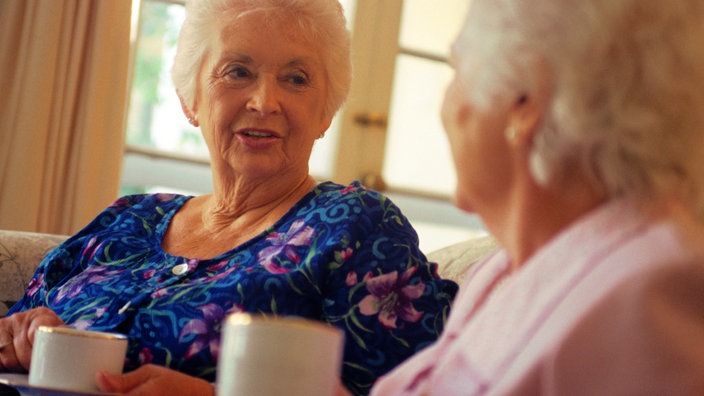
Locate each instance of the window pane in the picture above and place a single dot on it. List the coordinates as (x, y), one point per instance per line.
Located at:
(155, 118)
(417, 152)
(431, 26)
(322, 158)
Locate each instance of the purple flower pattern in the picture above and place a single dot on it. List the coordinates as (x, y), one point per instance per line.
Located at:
(91, 275)
(391, 297)
(282, 243)
(206, 330)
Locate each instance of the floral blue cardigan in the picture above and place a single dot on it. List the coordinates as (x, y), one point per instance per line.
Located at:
(344, 255)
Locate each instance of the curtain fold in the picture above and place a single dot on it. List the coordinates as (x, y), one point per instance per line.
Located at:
(63, 93)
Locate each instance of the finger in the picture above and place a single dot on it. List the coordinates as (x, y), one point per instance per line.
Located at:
(122, 383)
(23, 352)
(152, 380)
(41, 317)
(107, 382)
(24, 325)
(6, 340)
(342, 390)
(8, 359)
(26, 329)
(5, 334)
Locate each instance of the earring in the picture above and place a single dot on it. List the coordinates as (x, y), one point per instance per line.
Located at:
(510, 133)
(322, 135)
(193, 121)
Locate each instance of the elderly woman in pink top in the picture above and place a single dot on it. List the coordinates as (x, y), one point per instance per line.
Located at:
(577, 130)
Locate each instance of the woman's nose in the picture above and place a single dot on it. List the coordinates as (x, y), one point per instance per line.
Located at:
(265, 97)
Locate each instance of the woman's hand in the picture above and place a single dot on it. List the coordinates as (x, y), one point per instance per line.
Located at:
(17, 336)
(342, 390)
(153, 380)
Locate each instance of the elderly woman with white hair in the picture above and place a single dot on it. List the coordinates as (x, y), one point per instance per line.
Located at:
(577, 130)
(262, 79)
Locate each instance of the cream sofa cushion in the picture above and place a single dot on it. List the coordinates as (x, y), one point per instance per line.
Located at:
(20, 254)
(455, 260)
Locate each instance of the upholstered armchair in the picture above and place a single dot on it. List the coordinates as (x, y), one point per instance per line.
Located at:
(20, 253)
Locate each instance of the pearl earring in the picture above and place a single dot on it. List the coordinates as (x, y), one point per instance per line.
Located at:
(510, 133)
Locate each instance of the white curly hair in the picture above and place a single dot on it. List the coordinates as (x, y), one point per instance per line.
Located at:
(628, 86)
(322, 20)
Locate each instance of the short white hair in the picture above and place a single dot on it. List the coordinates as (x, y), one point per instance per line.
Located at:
(323, 21)
(628, 86)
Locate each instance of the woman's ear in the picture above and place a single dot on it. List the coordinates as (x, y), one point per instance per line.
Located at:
(325, 126)
(191, 115)
(528, 109)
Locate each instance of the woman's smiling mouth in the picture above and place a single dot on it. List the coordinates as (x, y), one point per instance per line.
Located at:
(257, 138)
(257, 134)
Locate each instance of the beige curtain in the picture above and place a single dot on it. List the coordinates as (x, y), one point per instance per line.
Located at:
(63, 74)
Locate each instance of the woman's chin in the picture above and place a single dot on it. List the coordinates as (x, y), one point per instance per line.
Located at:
(463, 204)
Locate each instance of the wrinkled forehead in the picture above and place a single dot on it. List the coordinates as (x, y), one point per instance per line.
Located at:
(263, 16)
(264, 38)
(260, 19)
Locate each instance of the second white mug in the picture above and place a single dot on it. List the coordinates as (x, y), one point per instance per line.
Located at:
(273, 356)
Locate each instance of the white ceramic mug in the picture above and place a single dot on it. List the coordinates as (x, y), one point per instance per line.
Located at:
(273, 356)
(68, 359)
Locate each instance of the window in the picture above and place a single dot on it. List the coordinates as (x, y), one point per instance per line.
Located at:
(409, 152)
(163, 149)
(420, 77)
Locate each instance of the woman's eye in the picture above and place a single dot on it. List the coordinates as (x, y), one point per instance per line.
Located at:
(238, 72)
(298, 79)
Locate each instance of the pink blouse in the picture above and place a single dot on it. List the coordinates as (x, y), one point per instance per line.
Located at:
(612, 305)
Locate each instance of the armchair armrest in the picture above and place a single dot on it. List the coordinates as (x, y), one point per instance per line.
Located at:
(454, 260)
(20, 254)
